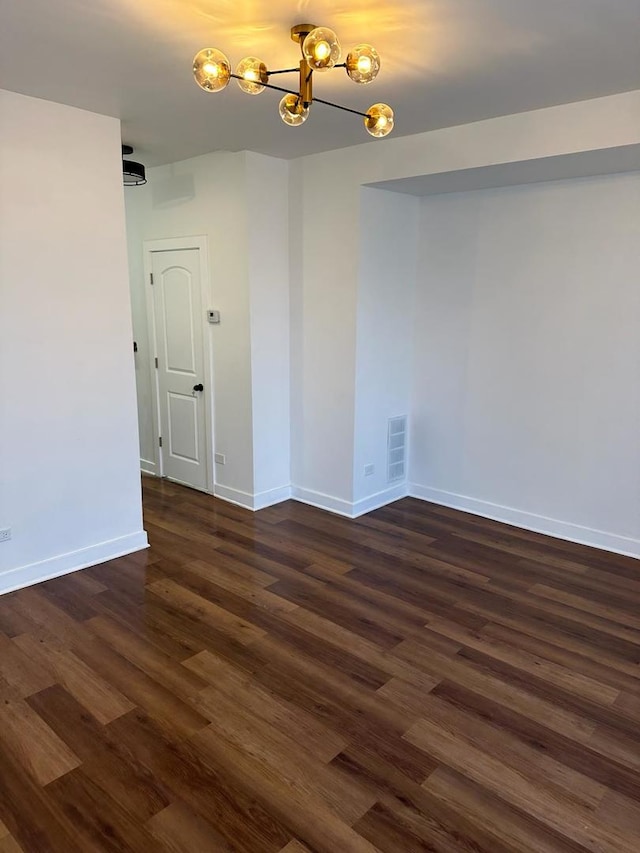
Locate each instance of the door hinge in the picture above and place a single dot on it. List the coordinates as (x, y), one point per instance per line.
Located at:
(156, 361)
(151, 277)
(159, 441)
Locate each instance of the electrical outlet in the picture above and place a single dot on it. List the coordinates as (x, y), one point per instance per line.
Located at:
(220, 458)
(369, 470)
(5, 534)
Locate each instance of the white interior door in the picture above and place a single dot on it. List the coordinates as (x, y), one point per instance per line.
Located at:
(180, 367)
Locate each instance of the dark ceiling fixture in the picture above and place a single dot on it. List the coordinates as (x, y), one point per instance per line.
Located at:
(133, 173)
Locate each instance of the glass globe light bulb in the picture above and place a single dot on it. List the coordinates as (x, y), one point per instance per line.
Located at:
(291, 110)
(211, 69)
(379, 120)
(321, 49)
(363, 63)
(254, 74)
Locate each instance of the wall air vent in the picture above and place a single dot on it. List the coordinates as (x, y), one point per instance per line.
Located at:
(397, 448)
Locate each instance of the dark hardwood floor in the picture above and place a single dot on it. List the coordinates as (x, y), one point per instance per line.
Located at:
(415, 680)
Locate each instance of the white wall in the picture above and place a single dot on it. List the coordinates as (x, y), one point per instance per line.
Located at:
(245, 223)
(296, 321)
(70, 487)
(526, 375)
(324, 308)
(268, 238)
(352, 284)
(384, 332)
(326, 239)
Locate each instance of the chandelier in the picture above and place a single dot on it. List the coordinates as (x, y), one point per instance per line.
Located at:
(321, 52)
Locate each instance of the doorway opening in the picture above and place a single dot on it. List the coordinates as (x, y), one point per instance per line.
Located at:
(180, 360)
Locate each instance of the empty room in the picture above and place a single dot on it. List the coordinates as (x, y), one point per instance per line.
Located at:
(320, 426)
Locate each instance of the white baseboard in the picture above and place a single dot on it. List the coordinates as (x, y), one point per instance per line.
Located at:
(348, 508)
(254, 502)
(322, 501)
(530, 521)
(64, 564)
(261, 500)
(233, 496)
(148, 467)
(380, 499)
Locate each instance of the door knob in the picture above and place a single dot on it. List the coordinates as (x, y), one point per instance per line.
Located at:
(198, 387)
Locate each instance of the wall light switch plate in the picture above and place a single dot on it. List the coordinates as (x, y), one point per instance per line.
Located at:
(220, 458)
(369, 470)
(5, 534)
(213, 316)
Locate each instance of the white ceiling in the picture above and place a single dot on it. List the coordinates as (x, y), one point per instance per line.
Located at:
(444, 62)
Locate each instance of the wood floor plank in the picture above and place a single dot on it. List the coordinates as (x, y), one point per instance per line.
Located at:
(295, 846)
(401, 828)
(153, 662)
(290, 681)
(249, 695)
(313, 682)
(618, 810)
(575, 655)
(579, 602)
(180, 830)
(199, 608)
(597, 755)
(544, 771)
(36, 747)
(97, 695)
(513, 787)
(20, 671)
(215, 795)
(43, 619)
(29, 813)
(622, 639)
(10, 845)
(100, 822)
(304, 812)
(174, 714)
(275, 752)
(234, 574)
(617, 747)
(104, 760)
(408, 696)
(516, 828)
(452, 668)
(564, 677)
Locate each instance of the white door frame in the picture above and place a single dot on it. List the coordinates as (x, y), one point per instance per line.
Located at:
(171, 244)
